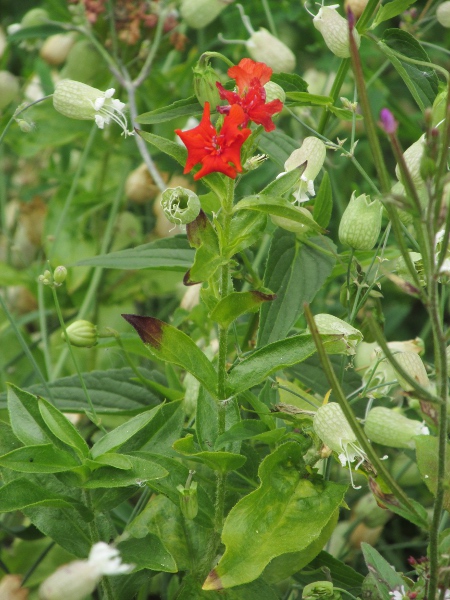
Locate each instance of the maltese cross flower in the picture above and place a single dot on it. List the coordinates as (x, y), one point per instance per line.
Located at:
(214, 150)
(250, 78)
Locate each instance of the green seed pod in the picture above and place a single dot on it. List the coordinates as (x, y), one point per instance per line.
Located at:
(349, 337)
(388, 427)
(266, 48)
(334, 29)
(199, 13)
(180, 205)
(443, 14)
(413, 365)
(361, 223)
(205, 79)
(9, 88)
(188, 500)
(81, 333)
(274, 92)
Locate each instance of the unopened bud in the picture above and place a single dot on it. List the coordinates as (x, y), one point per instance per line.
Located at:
(443, 14)
(205, 79)
(59, 275)
(180, 205)
(9, 88)
(361, 223)
(427, 167)
(266, 48)
(199, 13)
(388, 427)
(356, 6)
(347, 336)
(81, 333)
(25, 126)
(254, 162)
(318, 589)
(388, 122)
(335, 31)
(188, 497)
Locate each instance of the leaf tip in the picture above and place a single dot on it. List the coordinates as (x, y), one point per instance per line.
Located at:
(150, 330)
(212, 582)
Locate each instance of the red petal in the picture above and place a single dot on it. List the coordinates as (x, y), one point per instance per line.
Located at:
(215, 164)
(248, 69)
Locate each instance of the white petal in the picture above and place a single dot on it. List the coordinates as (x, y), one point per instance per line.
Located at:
(109, 93)
(99, 102)
(117, 105)
(99, 121)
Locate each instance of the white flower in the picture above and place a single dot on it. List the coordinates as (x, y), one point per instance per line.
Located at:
(398, 594)
(78, 579)
(77, 100)
(310, 156)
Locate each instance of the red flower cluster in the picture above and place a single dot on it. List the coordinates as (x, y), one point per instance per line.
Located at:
(250, 78)
(214, 150)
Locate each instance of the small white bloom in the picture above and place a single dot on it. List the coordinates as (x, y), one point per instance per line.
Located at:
(311, 156)
(110, 93)
(398, 594)
(98, 104)
(106, 559)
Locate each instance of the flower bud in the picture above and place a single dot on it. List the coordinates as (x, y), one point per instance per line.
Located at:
(59, 275)
(356, 6)
(77, 100)
(266, 48)
(310, 157)
(388, 427)
(274, 92)
(361, 223)
(443, 14)
(25, 126)
(81, 333)
(188, 500)
(205, 79)
(56, 48)
(350, 337)
(9, 87)
(199, 13)
(335, 31)
(318, 589)
(413, 157)
(290, 225)
(180, 205)
(413, 365)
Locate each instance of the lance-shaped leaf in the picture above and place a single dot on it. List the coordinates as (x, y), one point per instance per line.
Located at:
(283, 183)
(171, 345)
(26, 420)
(323, 204)
(246, 227)
(62, 428)
(147, 553)
(278, 206)
(43, 458)
(218, 461)
(286, 514)
(238, 303)
(391, 10)
(386, 578)
(201, 235)
(271, 358)
(307, 99)
(142, 470)
(188, 107)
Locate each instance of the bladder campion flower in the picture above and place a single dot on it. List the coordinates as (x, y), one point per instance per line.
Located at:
(214, 150)
(311, 156)
(77, 100)
(250, 78)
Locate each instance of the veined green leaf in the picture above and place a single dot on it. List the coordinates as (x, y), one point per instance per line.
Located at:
(283, 183)
(42, 458)
(427, 449)
(169, 344)
(290, 82)
(218, 461)
(286, 514)
(323, 204)
(278, 146)
(147, 553)
(188, 107)
(62, 428)
(237, 304)
(386, 578)
(389, 10)
(142, 470)
(22, 493)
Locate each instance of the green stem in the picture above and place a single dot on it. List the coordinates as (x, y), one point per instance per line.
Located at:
(44, 332)
(269, 18)
(93, 416)
(348, 412)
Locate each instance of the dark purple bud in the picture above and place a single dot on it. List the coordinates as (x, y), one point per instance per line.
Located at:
(388, 123)
(351, 19)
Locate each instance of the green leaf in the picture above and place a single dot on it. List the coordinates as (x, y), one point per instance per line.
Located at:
(188, 107)
(307, 99)
(171, 345)
(283, 183)
(142, 471)
(39, 31)
(112, 391)
(237, 304)
(26, 420)
(168, 254)
(323, 204)
(266, 524)
(110, 459)
(342, 575)
(391, 10)
(427, 449)
(386, 578)
(202, 235)
(42, 458)
(218, 461)
(62, 428)
(121, 434)
(246, 227)
(279, 206)
(22, 493)
(278, 146)
(271, 358)
(421, 80)
(147, 553)
(290, 82)
(344, 114)
(295, 273)
(249, 429)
